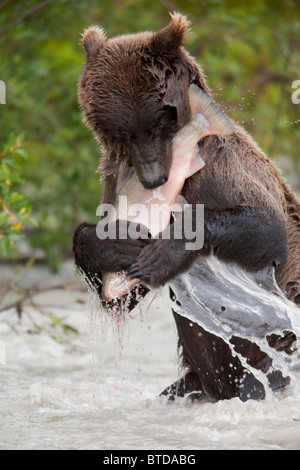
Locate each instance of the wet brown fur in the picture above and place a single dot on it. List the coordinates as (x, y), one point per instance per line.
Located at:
(129, 90)
(153, 69)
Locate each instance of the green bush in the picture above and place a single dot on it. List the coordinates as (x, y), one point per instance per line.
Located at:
(15, 206)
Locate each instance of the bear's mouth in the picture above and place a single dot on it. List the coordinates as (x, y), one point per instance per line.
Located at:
(129, 161)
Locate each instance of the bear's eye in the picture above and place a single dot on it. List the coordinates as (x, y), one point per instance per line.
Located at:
(123, 135)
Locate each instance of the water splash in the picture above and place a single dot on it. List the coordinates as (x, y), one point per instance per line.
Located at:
(226, 301)
(222, 298)
(109, 325)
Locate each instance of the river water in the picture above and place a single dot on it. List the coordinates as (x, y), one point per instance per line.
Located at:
(73, 380)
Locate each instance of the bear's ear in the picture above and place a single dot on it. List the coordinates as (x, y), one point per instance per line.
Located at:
(168, 40)
(93, 39)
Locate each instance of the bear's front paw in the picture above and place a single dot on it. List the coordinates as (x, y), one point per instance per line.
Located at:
(162, 261)
(151, 266)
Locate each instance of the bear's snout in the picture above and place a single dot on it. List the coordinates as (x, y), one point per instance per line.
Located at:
(153, 181)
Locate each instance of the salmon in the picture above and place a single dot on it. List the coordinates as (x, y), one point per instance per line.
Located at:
(206, 119)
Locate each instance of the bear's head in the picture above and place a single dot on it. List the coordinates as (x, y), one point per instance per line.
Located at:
(134, 95)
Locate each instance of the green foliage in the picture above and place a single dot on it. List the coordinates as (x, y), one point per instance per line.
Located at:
(15, 207)
(249, 52)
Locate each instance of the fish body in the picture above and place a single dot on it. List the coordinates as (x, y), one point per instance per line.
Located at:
(206, 119)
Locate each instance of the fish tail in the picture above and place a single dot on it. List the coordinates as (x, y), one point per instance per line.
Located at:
(202, 103)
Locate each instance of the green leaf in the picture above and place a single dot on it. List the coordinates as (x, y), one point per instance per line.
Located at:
(22, 153)
(4, 173)
(15, 197)
(4, 218)
(70, 329)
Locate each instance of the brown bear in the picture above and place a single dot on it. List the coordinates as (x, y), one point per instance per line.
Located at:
(134, 95)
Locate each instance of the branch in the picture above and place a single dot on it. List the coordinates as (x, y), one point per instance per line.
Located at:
(32, 292)
(24, 15)
(5, 2)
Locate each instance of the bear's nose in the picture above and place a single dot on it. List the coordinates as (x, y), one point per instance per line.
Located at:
(152, 181)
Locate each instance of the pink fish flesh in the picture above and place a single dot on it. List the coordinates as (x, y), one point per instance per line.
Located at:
(207, 119)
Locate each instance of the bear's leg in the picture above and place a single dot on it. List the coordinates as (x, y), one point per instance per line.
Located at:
(261, 361)
(189, 385)
(92, 256)
(221, 374)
